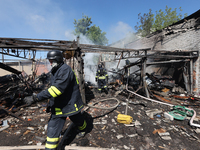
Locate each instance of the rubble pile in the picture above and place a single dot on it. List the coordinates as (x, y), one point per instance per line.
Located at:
(13, 88)
(151, 127)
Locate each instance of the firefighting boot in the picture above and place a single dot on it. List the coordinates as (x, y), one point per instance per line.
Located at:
(87, 126)
(100, 91)
(106, 90)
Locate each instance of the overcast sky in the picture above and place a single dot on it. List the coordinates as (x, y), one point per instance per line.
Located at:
(53, 19)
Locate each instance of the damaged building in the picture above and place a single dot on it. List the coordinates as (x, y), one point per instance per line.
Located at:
(180, 39)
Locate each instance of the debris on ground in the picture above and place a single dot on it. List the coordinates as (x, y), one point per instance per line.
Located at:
(135, 123)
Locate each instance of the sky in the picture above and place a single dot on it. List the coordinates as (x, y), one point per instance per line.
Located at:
(53, 19)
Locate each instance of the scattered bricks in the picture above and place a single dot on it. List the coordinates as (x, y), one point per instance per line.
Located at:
(17, 132)
(137, 123)
(165, 136)
(3, 128)
(197, 130)
(161, 130)
(30, 142)
(41, 139)
(103, 122)
(30, 128)
(168, 116)
(132, 135)
(129, 125)
(113, 121)
(119, 136)
(153, 112)
(126, 147)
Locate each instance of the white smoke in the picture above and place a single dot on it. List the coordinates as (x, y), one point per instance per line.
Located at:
(122, 32)
(120, 35)
(90, 61)
(90, 66)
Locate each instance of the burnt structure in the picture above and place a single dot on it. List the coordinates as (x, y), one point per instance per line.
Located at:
(27, 48)
(169, 48)
(181, 39)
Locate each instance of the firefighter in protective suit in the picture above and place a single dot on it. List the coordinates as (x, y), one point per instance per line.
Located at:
(101, 78)
(65, 99)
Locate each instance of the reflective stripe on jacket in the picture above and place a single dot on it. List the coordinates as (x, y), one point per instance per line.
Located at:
(98, 76)
(64, 94)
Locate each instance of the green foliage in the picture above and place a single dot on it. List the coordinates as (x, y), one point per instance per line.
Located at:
(145, 24)
(97, 36)
(82, 25)
(162, 19)
(166, 18)
(93, 33)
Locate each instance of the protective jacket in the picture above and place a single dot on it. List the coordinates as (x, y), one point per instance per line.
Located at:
(101, 76)
(101, 73)
(64, 94)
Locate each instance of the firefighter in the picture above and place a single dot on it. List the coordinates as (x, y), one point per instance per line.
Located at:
(101, 78)
(65, 99)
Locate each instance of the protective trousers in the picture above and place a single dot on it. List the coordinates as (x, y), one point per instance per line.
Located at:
(101, 84)
(55, 126)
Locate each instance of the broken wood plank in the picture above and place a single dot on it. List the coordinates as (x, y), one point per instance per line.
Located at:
(162, 99)
(3, 128)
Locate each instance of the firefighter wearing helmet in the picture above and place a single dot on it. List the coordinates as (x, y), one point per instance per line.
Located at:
(101, 78)
(65, 99)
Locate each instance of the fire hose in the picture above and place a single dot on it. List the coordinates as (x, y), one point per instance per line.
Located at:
(191, 120)
(113, 107)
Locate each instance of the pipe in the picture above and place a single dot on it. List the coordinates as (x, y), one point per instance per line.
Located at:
(191, 120)
(147, 98)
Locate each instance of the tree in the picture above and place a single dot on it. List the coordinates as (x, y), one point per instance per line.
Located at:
(145, 25)
(82, 25)
(166, 18)
(93, 33)
(162, 19)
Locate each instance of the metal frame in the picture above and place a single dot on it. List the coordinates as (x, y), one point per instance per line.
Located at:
(27, 48)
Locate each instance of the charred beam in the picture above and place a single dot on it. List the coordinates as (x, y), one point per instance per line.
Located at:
(10, 69)
(166, 62)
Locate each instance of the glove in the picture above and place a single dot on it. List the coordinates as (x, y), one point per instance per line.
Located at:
(35, 97)
(31, 99)
(96, 79)
(107, 78)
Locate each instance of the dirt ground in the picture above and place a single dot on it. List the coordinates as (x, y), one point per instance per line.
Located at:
(142, 134)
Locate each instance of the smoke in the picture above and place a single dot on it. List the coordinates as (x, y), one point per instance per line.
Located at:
(90, 61)
(90, 66)
(121, 32)
(120, 35)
